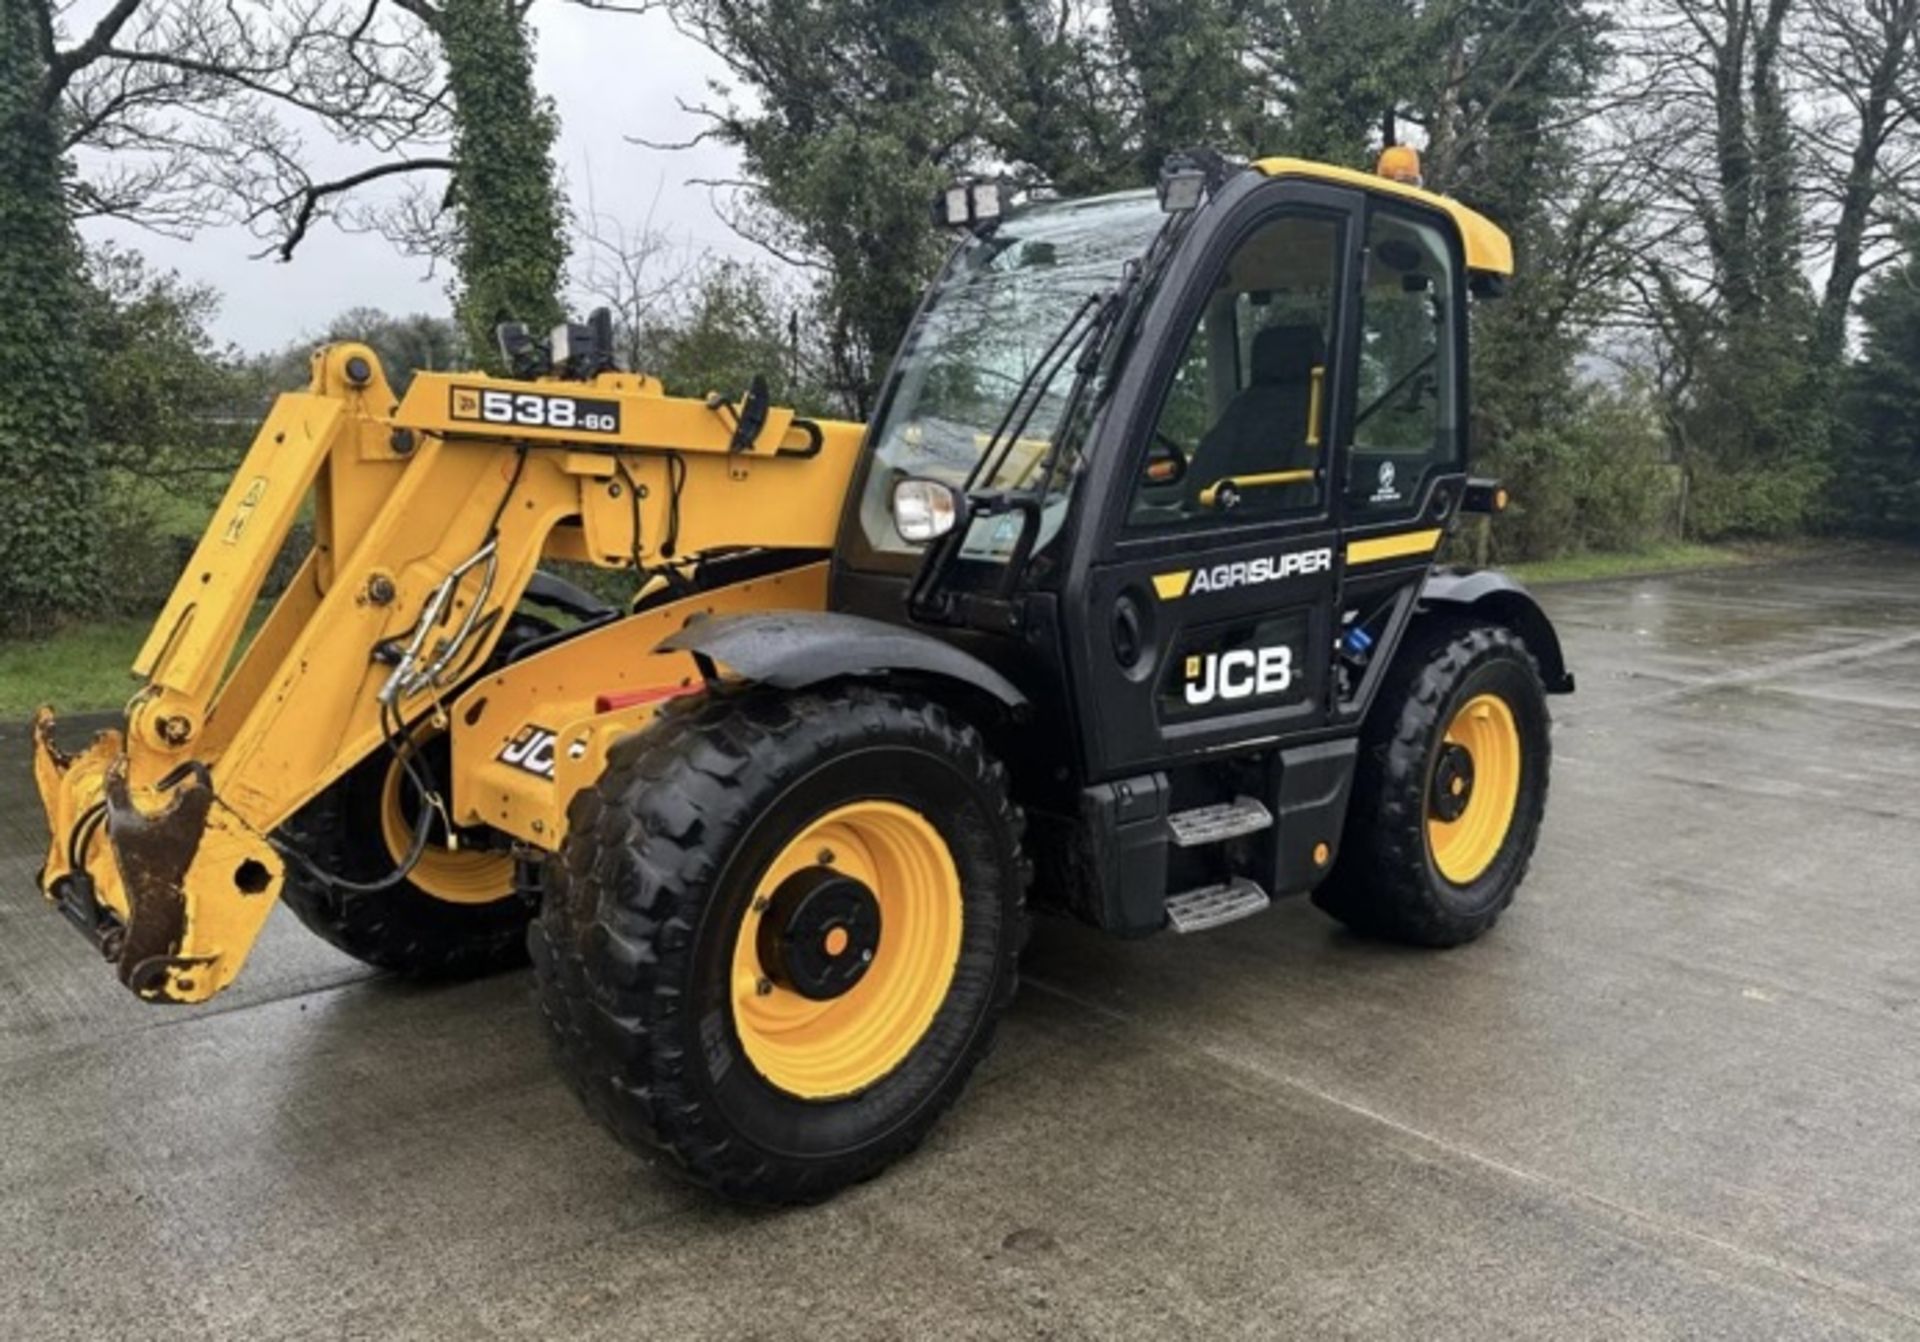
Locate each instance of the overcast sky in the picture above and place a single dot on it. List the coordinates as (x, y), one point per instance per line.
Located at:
(612, 76)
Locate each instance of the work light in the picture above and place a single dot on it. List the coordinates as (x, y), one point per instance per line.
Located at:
(925, 510)
(522, 355)
(973, 204)
(565, 342)
(1183, 182)
(582, 351)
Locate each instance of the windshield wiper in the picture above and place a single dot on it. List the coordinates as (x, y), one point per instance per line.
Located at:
(1031, 391)
(1116, 315)
(925, 598)
(1088, 331)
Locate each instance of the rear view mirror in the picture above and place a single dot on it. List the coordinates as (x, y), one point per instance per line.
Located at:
(1166, 464)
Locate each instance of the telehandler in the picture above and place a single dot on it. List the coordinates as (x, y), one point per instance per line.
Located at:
(1130, 582)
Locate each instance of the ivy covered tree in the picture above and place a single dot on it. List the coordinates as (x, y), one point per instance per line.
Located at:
(163, 95)
(49, 557)
(200, 112)
(508, 230)
(481, 187)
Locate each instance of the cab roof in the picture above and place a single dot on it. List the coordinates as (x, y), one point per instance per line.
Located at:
(1488, 249)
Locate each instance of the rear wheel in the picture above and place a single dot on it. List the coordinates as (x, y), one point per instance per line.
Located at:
(458, 913)
(780, 934)
(1449, 791)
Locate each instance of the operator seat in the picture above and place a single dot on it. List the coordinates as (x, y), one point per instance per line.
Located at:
(1264, 428)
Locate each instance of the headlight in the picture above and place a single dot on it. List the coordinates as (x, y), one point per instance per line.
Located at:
(925, 510)
(564, 341)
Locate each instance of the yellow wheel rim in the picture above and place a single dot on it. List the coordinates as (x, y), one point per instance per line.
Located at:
(470, 877)
(828, 1049)
(1485, 793)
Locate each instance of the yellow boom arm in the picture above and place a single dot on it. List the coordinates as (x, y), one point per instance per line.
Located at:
(430, 516)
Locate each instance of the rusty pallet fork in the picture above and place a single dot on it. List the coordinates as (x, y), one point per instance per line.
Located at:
(430, 516)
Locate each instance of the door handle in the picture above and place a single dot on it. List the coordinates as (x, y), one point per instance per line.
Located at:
(1315, 400)
(1129, 632)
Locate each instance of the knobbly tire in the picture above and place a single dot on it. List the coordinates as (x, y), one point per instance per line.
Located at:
(407, 929)
(1461, 722)
(460, 917)
(706, 913)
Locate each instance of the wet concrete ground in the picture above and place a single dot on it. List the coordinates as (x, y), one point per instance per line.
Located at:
(1675, 1094)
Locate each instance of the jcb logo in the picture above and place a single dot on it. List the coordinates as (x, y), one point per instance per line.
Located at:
(1243, 673)
(532, 751)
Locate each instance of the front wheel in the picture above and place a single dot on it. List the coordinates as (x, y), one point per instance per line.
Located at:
(1449, 791)
(781, 932)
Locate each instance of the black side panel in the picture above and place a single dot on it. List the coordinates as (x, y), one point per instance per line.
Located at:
(795, 649)
(1311, 810)
(1493, 595)
(1126, 823)
(1107, 866)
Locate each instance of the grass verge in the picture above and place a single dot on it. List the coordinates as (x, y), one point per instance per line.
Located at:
(1677, 557)
(80, 669)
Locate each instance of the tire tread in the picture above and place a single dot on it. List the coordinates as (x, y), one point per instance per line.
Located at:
(623, 901)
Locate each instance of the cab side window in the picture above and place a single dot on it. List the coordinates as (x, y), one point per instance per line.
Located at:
(1406, 422)
(1242, 431)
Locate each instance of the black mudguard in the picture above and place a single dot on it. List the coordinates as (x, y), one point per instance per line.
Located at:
(795, 649)
(1491, 594)
(556, 593)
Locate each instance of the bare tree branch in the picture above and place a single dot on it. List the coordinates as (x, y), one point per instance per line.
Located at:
(310, 198)
(62, 66)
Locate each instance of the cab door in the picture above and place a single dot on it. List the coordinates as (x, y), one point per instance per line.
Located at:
(1204, 618)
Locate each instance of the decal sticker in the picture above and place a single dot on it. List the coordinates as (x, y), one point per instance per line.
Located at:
(1389, 491)
(1242, 673)
(1239, 665)
(531, 751)
(249, 504)
(1246, 573)
(534, 410)
(1172, 586)
(1397, 546)
(534, 750)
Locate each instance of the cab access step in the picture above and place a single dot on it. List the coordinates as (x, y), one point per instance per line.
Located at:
(1225, 820)
(1214, 906)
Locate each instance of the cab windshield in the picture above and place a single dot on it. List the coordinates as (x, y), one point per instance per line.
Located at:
(990, 319)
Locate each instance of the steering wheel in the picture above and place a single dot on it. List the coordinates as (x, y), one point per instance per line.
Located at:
(1399, 385)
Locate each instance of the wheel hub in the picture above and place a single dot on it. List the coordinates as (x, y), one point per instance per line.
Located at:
(1475, 790)
(821, 1008)
(819, 934)
(1452, 783)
